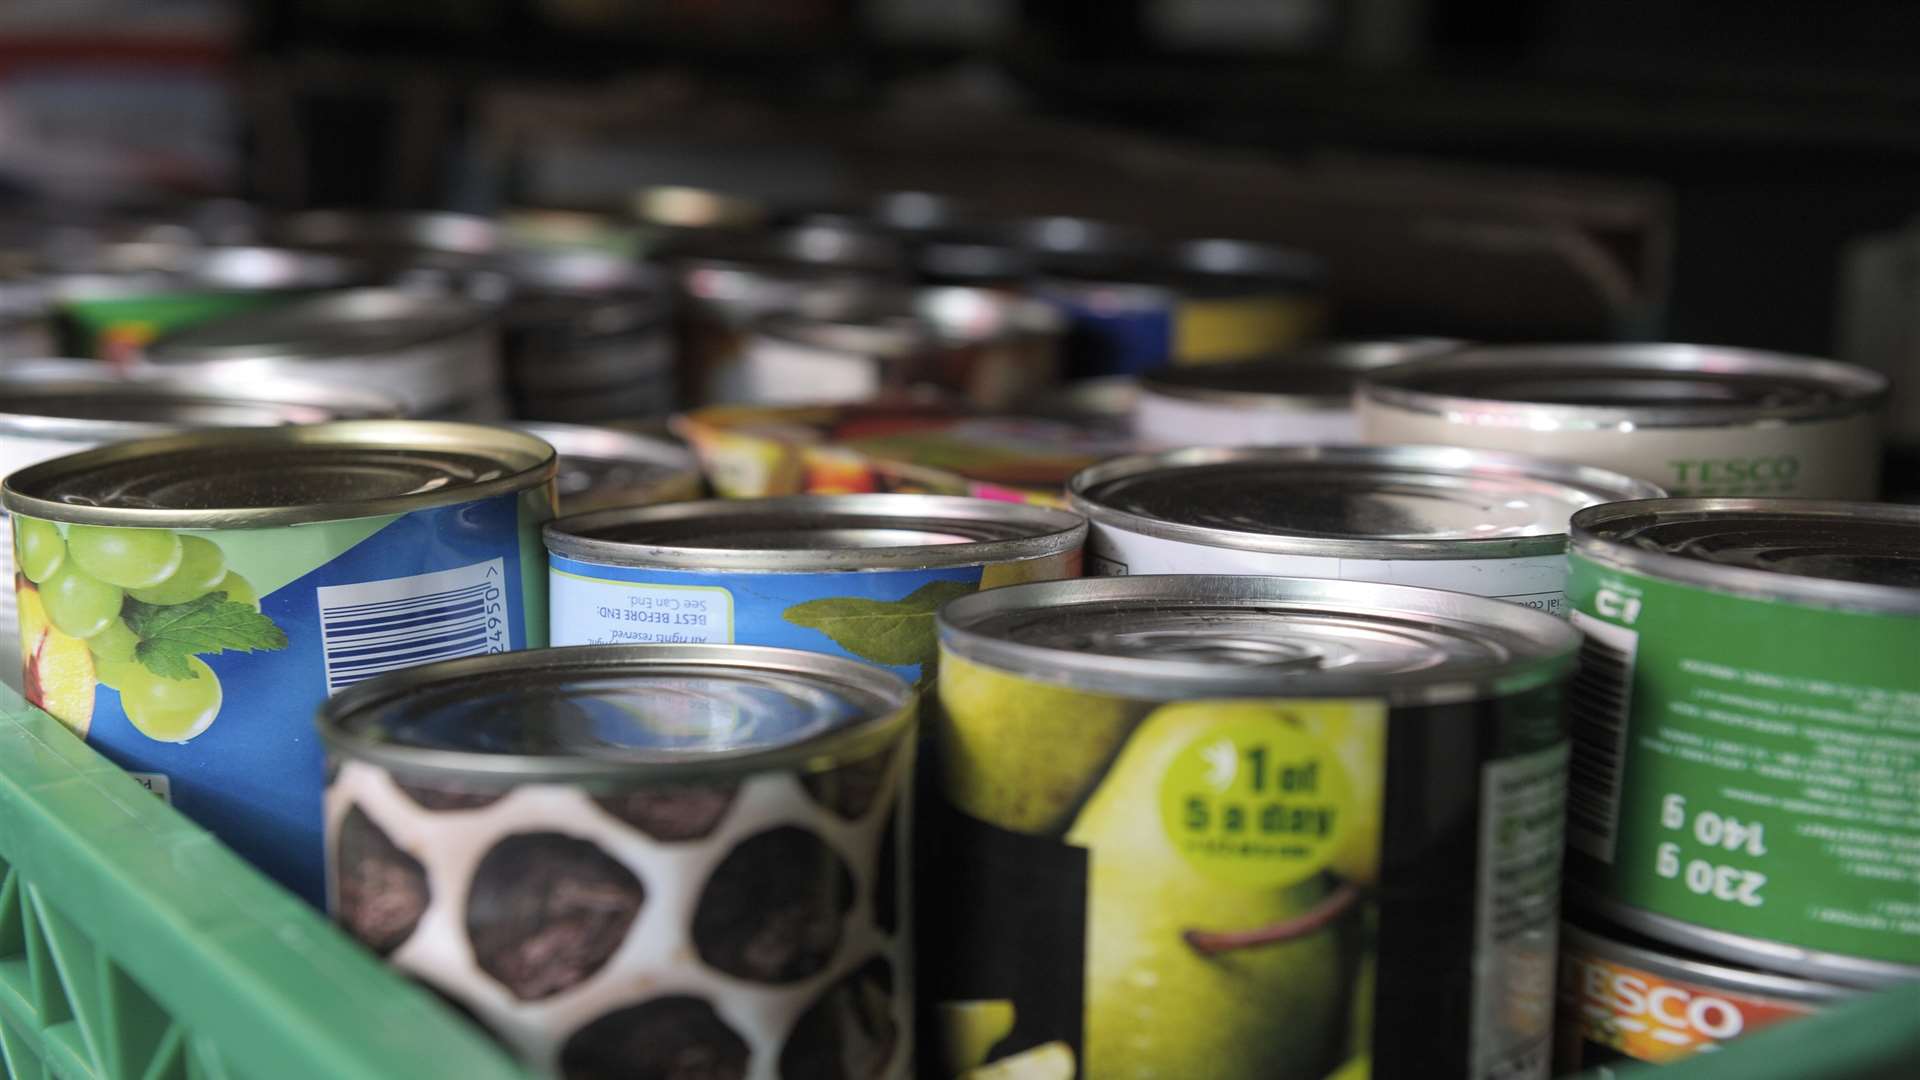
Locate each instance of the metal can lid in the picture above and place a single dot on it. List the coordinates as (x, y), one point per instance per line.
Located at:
(818, 533)
(1583, 387)
(244, 478)
(596, 459)
(259, 268)
(348, 324)
(438, 231)
(1181, 635)
(1079, 246)
(684, 207)
(838, 246)
(1402, 502)
(967, 261)
(918, 213)
(578, 271)
(619, 714)
(1319, 372)
(1856, 555)
(1625, 947)
(891, 322)
(74, 400)
(1221, 257)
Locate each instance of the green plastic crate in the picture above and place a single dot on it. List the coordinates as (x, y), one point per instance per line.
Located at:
(134, 946)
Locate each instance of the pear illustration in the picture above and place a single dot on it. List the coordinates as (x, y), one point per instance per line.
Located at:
(1360, 742)
(1270, 1007)
(1022, 755)
(1049, 1061)
(970, 1030)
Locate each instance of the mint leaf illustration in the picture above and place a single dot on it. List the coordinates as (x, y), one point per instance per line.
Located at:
(883, 631)
(171, 634)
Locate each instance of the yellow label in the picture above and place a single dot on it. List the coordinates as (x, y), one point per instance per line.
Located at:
(1208, 331)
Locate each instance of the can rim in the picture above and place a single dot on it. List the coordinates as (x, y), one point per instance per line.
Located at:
(1857, 389)
(1847, 971)
(1704, 971)
(530, 462)
(456, 318)
(894, 699)
(1190, 382)
(1450, 458)
(29, 377)
(1553, 641)
(1049, 532)
(1591, 543)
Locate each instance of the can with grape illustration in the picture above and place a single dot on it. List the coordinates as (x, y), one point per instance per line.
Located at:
(1624, 1000)
(639, 861)
(1439, 517)
(1285, 827)
(50, 408)
(185, 602)
(849, 575)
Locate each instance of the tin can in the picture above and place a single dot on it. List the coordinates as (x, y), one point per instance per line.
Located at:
(1624, 1000)
(1239, 299)
(1302, 397)
(975, 262)
(851, 575)
(1470, 521)
(623, 860)
(601, 468)
(438, 354)
(187, 601)
(588, 336)
(910, 447)
(1697, 420)
(728, 283)
(50, 408)
(1279, 826)
(1746, 775)
(987, 346)
(114, 317)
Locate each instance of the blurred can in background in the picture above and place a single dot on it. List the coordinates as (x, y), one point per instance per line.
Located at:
(1697, 420)
(438, 353)
(1296, 398)
(588, 337)
(601, 468)
(986, 346)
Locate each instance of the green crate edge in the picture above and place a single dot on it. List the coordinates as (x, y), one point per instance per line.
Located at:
(260, 982)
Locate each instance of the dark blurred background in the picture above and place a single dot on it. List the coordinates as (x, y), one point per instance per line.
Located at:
(1506, 168)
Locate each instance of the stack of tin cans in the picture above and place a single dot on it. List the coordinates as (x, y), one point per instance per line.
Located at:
(1382, 649)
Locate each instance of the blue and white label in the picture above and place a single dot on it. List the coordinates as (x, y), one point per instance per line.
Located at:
(884, 617)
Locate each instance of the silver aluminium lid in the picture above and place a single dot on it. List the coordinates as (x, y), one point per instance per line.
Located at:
(1589, 387)
(348, 324)
(1169, 636)
(1222, 259)
(1699, 971)
(93, 402)
(1376, 502)
(249, 478)
(1321, 375)
(619, 715)
(818, 533)
(1856, 556)
(602, 463)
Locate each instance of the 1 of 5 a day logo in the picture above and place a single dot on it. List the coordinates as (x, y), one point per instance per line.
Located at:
(134, 610)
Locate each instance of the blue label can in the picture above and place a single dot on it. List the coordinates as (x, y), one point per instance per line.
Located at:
(847, 575)
(1114, 328)
(186, 603)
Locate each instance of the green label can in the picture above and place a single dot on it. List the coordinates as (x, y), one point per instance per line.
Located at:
(1746, 776)
(1206, 823)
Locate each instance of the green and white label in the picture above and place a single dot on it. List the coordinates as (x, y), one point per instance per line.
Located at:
(1748, 765)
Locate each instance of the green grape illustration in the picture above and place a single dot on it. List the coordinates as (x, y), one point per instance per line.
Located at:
(39, 549)
(79, 604)
(149, 605)
(128, 558)
(201, 568)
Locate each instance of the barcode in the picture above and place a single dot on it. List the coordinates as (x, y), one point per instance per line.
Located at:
(380, 626)
(1601, 694)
